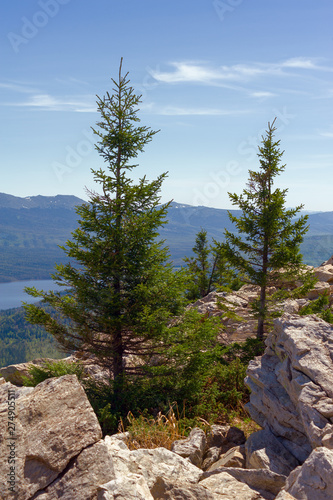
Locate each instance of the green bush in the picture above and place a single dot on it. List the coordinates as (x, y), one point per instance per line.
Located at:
(320, 307)
(48, 369)
(210, 388)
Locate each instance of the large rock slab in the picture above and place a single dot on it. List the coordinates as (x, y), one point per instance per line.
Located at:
(53, 422)
(82, 478)
(154, 465)
(226, 487)
(130, 487)
(314, 479)
(16, 373)
(264, 451)
(163, 490)
(264, 481)
(235, 457)
(292, 384)
(324, 273)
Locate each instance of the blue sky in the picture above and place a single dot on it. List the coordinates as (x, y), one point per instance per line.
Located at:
(212, 74)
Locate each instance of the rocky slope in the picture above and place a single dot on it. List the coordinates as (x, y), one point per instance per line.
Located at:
(239, 328)
(51, 447)
(51, 443)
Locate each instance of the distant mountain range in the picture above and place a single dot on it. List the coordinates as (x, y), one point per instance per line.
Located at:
(32, 228)
(60, 201)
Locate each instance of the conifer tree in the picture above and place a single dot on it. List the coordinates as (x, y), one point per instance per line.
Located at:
(199, 267)
(208, 269)
(266, 246)
(121, 288)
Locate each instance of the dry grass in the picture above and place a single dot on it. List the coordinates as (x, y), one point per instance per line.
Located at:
(247, 425)
(149, 432)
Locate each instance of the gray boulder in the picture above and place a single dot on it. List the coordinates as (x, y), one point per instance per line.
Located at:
(192, 447)
(130, 487)
(226, 487)
(81, 480)
(314, 479)
(235, 457)
(53, 422)
(211, 457)
(263, 481)
(264, 451)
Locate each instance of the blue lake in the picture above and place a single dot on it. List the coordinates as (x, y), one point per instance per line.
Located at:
(12, 294)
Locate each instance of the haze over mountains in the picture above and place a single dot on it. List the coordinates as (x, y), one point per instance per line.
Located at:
(32, 228)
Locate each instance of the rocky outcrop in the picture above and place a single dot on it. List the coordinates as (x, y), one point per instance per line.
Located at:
(51, 443)
(18, 372)
(240, 325)
(292, 398)
(170, 476)
(56, 451)
(292, 384)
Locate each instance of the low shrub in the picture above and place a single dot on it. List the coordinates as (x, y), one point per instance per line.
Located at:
(209, 390)
(49, 369)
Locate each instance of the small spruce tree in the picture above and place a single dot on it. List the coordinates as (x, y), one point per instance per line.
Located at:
(266, 246)
(208, 269)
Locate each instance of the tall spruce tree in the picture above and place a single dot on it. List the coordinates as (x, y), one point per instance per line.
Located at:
(121, 289)
(266, 246)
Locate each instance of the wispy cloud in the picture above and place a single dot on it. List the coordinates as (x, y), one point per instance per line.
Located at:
(327, 134)
(17, 87)
(299, 62)
(46, 102)
(180, 111)
(72, 81)
(199, 72)
(263, 94)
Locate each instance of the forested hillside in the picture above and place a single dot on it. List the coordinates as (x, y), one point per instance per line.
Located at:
(30, 232)
(32, 228)
(21, 341)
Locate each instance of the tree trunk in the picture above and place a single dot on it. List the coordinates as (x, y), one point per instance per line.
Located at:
(117, 353)
(261, 320)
